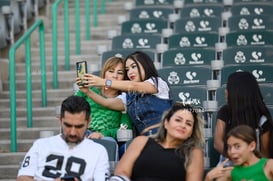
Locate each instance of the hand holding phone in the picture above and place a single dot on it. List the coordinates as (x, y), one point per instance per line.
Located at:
(81, 68)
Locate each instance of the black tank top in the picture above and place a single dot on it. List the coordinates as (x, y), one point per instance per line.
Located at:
(156, 163)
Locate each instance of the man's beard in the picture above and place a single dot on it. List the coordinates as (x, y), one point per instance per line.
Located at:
(72, 140)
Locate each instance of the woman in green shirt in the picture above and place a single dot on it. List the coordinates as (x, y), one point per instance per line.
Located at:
(105, 122)
(248, 163)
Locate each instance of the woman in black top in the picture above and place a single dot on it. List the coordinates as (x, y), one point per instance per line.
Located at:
(245, 105)
(175, 153)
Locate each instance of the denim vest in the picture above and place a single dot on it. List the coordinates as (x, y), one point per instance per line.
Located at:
(145, 109)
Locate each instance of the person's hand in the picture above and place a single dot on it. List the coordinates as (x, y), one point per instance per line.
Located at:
(95, 135)
(93, 80)
(219, 171)
(82, 85)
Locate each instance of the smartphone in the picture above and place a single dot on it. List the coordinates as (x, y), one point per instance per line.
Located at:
(81, 68)
(67, 178)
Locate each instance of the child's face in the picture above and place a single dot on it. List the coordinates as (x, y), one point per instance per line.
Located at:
(239, 151)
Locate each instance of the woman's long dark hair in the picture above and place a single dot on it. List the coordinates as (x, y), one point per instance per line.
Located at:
(245, 100)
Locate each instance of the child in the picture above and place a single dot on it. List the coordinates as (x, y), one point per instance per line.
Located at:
(247, 161)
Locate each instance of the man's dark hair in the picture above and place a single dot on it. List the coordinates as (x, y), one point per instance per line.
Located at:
(75, 104)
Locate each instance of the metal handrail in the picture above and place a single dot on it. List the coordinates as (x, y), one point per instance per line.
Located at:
(66, 32)
(12, 78)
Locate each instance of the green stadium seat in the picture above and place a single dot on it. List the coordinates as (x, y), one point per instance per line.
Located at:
(256, 8)
(251, 22)
(248, 55)
(161, 12)
(188, 57)
(154, 2)
(190, 40)
(200, 2)
(140, 41)
(111, 147)
(189, 95)
(124, 53)
(151, 26)
(267, 92)
(202, 10)
(185, 76)
(220, 96)
(198, 24)
(244, 38)
(263, 73)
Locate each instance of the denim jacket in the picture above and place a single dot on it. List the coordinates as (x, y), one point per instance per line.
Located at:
(145, 109)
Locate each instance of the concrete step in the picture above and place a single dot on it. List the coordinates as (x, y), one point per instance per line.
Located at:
(36, 111)
(27, 133)
(51, 102)
(8, 172)
(51, 93)
(36, 84)
(22, 145)
(35, 63)
(37, 121)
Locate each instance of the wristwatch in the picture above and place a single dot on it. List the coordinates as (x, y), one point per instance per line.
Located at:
(108, 83)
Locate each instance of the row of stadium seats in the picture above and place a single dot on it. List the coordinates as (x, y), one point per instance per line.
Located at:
(196, 50)
(14, 15)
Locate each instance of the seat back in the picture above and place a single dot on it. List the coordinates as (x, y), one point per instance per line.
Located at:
(198, 24)
(262, 73)
(161, 12)
(244, 38)
(188, 57)
(251, 22)
(111, 147)
(189, 95)
(202, 10)
(256, 8)
(151, 26)
(154, 2)
(186, 76)
(200, 39)
(139, 41)
(201, 2)
(248, 55)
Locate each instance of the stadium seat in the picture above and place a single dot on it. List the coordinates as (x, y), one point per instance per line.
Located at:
(154, 2)
(251, 22)
(267, 92)
(189, 95)
(248, 55)
(124, 53)
(188, 57)
(151, 26)
(263, 73)
(111, 147)
(201, 40)
(201, 10)
(185, 76)
(200, 2)
(198, 24)
(140, 41)
(161, 12)
(256, 8)
(220, 95)
(243, 38)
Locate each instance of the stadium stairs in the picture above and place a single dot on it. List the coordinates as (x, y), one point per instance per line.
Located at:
(44, 117)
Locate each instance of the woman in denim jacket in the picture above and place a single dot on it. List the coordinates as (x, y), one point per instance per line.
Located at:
(147, 95)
